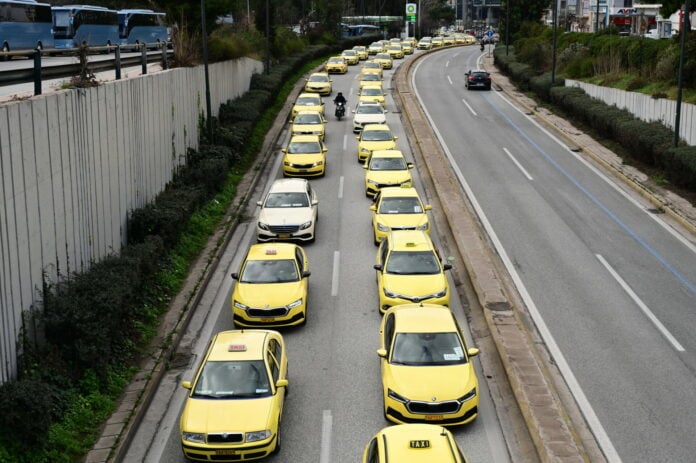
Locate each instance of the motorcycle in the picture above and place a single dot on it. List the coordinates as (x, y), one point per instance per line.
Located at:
(482, 47)
(340, 110)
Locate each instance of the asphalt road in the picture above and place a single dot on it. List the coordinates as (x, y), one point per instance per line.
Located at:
(334, 405)
(611, 286)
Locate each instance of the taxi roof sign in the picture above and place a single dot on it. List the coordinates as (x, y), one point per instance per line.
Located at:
(419, 444)
(237, 348)
(271, 252)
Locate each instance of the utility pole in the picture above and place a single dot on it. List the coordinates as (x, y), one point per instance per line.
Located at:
(683, 31)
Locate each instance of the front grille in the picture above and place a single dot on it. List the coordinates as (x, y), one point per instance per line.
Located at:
(275, 312)
(225, 457)
(403, 228)
(303, 166)
(225, 438)
(439, 408)
(284, 228)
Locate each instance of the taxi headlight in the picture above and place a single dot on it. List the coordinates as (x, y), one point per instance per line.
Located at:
(396, 396)
(196, 437)
(317, 164)
(468, 396)
(297, 303)
(364, 150)
(441, 293)
(422, 227)
(257, 435)
(372, 182)
(306, 225)
(287, 164)
(239, 305)
(390, 293)
(262, 226)
(382, 227)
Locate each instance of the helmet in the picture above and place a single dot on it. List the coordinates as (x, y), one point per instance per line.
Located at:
(339, 94)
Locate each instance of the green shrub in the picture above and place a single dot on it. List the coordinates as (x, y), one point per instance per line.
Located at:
(681, 166)
(26, 408)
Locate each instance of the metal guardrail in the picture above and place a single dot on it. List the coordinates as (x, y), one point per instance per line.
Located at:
(38, 72)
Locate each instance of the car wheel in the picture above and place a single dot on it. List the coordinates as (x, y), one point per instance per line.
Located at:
(6, 48)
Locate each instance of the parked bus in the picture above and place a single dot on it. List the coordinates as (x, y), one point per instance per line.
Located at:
(358, 30)
(25, 25)
(74, 25)
(142, 26)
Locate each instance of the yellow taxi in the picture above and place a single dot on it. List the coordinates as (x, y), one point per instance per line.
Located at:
(426, 43)
(375, 47)
(319, 82)
(413, 443)
(351, 57)
(371, 66)
(308, 123)
(235, 403)
(395, 51)
(398, 208)
(448, 40)
(372, 93)
(336, 65)
(385, 60)
(409, 270)
(375, 137)
(384, 168)
(370, 78)
(361, 50)
(464, 38)
(304, 156)
(407, 47)
(308, 102)
(438, 41)
(427, 371)
(271, 288)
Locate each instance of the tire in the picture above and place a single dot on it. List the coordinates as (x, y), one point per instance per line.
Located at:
(6, 48)
(277, 448)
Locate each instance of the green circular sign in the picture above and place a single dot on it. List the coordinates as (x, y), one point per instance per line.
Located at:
(410, 8)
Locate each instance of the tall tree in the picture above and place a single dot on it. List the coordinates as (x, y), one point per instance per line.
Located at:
(520, 12)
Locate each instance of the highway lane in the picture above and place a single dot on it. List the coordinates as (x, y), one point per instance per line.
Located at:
(614, 284)
(334, 405)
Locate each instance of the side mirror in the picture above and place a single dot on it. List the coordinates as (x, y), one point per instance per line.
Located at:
(473, 351)
(187, 384)
(325, 149)
(315, 202)
(283, 150)
(373, 208)
(396, 137)
(259, 203)
(386, 111)
(235, 276)
(428, 207)
(382, 353)
(364, 166)
(306, 274)
(447, 267)
(409, 165)
(377, 267)
(282, 383)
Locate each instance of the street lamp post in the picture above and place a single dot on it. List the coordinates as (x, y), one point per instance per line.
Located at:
(683, 30)
(267, 61)
(507, 26)
(553, 54)
(596, 27)
(209, 117)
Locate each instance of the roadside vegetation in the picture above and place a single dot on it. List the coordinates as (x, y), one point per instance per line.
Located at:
(629, 63)
(82, 342)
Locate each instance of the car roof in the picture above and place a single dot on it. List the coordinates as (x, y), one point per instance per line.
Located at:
(238, 345)
(307, 95)
(386, 154)
(304, 138)
(417, 318)
(309, 111)
(376, 127)
(411, 240)
(417, 442)
(271, 251)
(397, 192)
(321, 73)
(288, 185)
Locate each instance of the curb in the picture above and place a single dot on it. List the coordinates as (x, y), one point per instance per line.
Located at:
(548, 423)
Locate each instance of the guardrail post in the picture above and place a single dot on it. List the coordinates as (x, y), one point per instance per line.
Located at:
(117, 61)
(143, 58)
(37, 72)
(165, 63)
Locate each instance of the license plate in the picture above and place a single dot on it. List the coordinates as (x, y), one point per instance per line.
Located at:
(225, 452)
(433, 417)
(283, 235)
(266, 320)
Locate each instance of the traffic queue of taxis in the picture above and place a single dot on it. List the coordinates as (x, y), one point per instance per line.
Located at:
(235, 401)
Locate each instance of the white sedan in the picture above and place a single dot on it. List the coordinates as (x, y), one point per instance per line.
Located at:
(289, 211)
(368, 113)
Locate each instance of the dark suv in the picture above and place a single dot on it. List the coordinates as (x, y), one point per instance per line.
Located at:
(478, 79)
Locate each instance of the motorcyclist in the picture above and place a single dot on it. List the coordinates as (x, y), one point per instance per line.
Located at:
(340, 102)
(339, 99)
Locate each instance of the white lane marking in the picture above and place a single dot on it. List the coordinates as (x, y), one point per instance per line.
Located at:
(447, 64)
(345, 141)
(340, 187)
(593, 422)
(607, 180)
(519, 166)
(449, 80)
(334, 278)
(468, 106)
(661, 328)
(326, 423)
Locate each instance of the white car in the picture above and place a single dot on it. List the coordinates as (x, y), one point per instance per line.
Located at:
(289, 211)
(368, 113)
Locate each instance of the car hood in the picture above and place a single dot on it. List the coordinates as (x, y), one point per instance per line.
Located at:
(378, 145)
(414, 285)
(304, 158)
(370, 118)
(268, 295)
(285, 215)
(402, 220)
(223, 415)
(429, 383)
(307, 128)
(388, 176)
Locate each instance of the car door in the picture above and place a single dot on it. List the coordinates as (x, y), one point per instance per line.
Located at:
(313, 201)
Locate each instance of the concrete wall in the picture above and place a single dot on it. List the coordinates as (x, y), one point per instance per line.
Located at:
(645, 107)
(73, 164)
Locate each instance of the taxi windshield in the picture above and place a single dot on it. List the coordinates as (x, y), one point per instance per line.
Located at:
(388, 164)
(308, 119)
(400, 206)
(372, 91)
(233, 380)
(376, 135)
(287, 200)
(412, 263)
(370, 109)
(371, 77)
(318, 79)
(269, 271)
(336, 60)
(427, 349)
(304, 147)
(308, 101)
